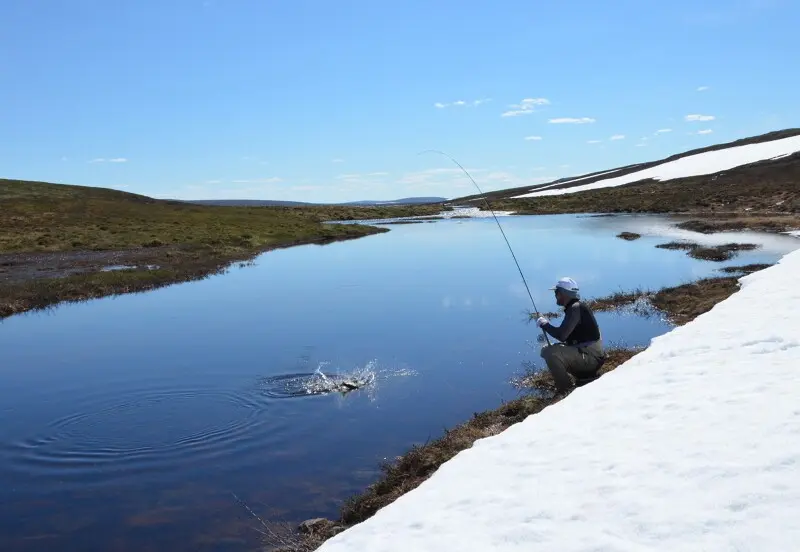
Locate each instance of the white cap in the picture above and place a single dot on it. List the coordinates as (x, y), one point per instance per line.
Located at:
(566, 283)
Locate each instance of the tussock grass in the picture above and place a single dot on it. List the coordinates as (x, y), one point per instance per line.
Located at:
(411, 469)
(745, 269)
(678, 245)
(718, 253)
(683, 303)
(541, 380)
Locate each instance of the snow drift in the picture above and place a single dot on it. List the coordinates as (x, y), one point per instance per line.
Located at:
(709, 162)
(694, 444)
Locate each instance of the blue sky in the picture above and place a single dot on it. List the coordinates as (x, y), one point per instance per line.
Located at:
(333, 101)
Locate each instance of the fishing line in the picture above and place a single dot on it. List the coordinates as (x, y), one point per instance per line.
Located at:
(483, 196)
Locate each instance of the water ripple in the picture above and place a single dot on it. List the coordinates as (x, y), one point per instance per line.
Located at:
(146, 429)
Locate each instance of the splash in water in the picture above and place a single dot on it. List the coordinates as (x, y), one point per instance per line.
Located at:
(321, 382)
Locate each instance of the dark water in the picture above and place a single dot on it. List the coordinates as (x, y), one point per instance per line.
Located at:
(128, 423)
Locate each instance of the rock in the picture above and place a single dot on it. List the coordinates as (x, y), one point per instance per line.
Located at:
(316, 526)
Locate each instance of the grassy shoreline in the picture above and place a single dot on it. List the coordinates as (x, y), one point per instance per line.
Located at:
(58, 242)
(680, 304)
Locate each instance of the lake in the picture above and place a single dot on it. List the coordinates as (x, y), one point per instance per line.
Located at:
(130, 422)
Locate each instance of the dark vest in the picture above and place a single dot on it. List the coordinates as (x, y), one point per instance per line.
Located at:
(587, 329)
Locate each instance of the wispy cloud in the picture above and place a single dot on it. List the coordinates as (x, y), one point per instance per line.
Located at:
(618, 137)
(525, 107)
(213, 181)
(593, 141)
(65, 158)
(337, 160)
(429, 175)
(462, 103)
(270, 180)
(361, 178)
(641, 144)
(112, 160)
(535, 138)
(695, 117)
(663, 130)
(571, 121)
(705, 131)
(702, 88)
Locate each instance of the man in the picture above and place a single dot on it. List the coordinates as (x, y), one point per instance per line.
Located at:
(581, 351)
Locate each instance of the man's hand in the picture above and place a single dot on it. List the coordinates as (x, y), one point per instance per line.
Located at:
(542, 321)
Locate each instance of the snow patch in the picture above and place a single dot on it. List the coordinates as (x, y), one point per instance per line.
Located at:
(693, 444)
(795, 233)
(472, 212)
(574, 180)
(693, 165)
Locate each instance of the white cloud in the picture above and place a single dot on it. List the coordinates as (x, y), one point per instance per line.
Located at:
(593, 141)
(706, 131)
(525, 107)
(696, 117)
(572, 120)
(213, 181)
(702, 88)
(337, 160)
(462, 103)
(112, 160)
(641, 144)
(618, 137)
(663, 130)
(537, 138)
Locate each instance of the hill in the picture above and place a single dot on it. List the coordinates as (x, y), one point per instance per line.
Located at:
(750, 183)
(696, 162)
(57, 241)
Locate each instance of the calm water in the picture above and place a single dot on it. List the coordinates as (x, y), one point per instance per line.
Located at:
(128, 422)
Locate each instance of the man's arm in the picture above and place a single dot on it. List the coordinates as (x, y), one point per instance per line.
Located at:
(571, 318)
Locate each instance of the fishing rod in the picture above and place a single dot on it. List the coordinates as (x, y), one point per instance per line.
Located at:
(483, 196)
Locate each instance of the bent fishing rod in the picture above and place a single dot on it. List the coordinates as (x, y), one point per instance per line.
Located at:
(483, 196)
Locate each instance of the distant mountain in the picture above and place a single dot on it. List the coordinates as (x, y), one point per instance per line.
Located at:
(270, 202)
(247, 202)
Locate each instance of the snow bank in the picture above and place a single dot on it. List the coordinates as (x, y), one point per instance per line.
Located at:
(795, 233)
(473, 212)
(574, 180)
(693, 165)
(694, 444)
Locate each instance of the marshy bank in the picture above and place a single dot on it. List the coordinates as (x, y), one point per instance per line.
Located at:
(58, 242)
(680, 304)
(722, 252)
